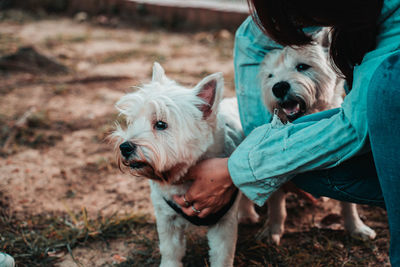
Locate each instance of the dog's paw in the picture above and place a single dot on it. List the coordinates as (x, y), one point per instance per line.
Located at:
(275, 239)
(272, 233)
(363, 232)
(271, 238)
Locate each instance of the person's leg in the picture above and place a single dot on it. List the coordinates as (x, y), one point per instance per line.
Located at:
(355, 180)
(384, 131)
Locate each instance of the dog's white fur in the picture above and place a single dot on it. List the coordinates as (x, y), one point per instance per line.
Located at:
(315, 89)
(200, 125)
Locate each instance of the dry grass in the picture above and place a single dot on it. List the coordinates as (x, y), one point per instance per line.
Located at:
(40, 240)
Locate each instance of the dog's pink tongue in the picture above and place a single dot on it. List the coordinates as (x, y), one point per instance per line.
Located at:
(292, 110)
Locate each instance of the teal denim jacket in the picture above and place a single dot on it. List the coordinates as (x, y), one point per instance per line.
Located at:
(272, 153)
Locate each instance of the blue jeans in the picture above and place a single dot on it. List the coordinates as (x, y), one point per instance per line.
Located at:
(372, 178)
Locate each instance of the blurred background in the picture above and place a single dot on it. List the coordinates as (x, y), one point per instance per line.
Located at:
(63, 200)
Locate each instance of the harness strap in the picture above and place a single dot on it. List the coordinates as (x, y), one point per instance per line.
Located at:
(210, 219)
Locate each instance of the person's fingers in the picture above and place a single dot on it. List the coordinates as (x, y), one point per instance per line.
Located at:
(190, 211)
(194, 210)
(204, 213)
(179, 200)
(182, 200)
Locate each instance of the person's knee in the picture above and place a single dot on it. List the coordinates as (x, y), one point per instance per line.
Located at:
(383, 102)
(384, 89)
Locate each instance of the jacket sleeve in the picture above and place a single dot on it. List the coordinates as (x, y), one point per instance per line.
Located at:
(251, 45)
(271, 154)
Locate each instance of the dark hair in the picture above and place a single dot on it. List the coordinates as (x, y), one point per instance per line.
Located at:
(354, 26)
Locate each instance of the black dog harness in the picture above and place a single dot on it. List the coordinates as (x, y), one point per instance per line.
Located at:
(210, 219)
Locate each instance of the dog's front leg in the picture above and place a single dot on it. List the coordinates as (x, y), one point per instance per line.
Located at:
(172, 241)
(275, 225)
(222, 240)
(170, 228)
(246, 213)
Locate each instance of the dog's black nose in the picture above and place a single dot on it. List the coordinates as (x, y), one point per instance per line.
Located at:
(280, 89)
(127, 149)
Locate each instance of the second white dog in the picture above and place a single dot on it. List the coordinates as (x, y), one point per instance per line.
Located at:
(296, 82)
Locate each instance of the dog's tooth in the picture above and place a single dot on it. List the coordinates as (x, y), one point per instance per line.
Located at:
(293, 110)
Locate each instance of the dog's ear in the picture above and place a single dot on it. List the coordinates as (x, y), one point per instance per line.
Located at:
(210, 90)
(158, 73)
(322, 37)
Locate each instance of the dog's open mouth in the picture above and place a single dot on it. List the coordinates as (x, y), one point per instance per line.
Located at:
(293, 108)
(134, 164)
(144, 169)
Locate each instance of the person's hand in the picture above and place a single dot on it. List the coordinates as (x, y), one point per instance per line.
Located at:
(211, 190)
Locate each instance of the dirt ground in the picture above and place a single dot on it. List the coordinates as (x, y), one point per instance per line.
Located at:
(58, 162)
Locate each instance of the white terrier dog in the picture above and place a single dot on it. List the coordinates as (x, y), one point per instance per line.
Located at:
(295, 82)
(169, 129)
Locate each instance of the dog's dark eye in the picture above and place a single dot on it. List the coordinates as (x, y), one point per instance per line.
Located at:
(160, 125)
(302, 67)
(270, 75)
